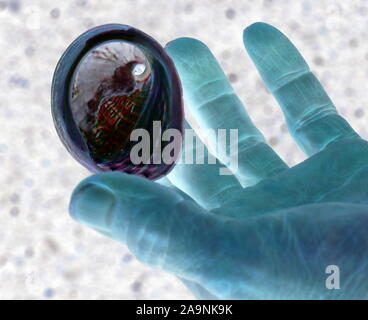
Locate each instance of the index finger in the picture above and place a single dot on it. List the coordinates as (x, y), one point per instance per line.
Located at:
(213, 102)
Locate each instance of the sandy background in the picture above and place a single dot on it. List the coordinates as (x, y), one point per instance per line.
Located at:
(44, 254)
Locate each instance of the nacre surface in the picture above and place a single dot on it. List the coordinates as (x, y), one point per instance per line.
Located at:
(111, 80)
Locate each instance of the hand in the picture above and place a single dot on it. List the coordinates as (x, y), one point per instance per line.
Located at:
(268, 231)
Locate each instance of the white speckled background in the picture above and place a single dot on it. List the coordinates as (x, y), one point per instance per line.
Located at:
(44, 254)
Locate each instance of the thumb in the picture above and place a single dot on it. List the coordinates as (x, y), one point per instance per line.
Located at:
(161, 225)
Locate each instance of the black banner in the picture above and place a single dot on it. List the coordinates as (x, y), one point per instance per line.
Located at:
(176, 309)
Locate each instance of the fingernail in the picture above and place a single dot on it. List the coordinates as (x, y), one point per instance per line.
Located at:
(93, 205)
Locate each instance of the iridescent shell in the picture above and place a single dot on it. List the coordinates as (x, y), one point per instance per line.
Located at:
(111, 80)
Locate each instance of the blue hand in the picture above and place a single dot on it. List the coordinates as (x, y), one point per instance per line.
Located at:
(269, 231)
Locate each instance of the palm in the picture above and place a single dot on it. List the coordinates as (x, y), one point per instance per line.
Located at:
(268, 231)
(336, 174)
(312, 212)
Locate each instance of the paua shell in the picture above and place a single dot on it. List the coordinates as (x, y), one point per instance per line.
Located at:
(111, 80)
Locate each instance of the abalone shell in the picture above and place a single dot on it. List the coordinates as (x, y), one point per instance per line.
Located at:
(112, 80)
